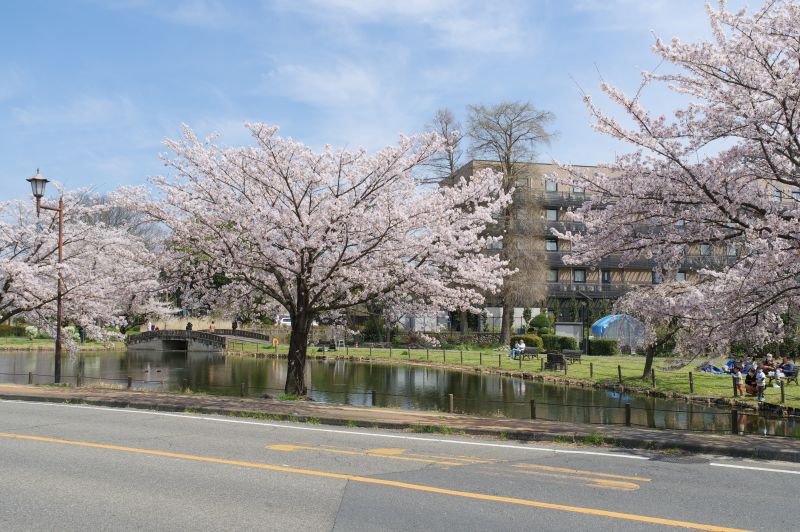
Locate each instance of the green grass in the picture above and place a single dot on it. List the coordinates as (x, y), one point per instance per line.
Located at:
(287, 397)
(436, 429)
(668, 379)
(593, 439)
(11, 342)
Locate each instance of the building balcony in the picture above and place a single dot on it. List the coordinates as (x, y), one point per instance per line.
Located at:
(591, 290)
(562, 199)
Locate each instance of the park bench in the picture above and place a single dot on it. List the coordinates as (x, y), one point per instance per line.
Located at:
(572, 355)
(555, 361)
(527, 353)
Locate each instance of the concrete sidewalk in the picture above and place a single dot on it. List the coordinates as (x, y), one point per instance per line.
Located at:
(751, 446)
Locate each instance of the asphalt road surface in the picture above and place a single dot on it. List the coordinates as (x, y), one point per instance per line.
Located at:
(73, 467)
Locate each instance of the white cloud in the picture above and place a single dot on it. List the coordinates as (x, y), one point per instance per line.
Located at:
(462, 25)
(87, 111)
(341, 85)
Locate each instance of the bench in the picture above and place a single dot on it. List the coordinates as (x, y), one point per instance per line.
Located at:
(555, 361)
(528, 352)
(788, 376)
(572, 355)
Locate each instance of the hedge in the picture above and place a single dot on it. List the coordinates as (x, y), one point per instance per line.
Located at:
(531, 340)
(13, 330)
(602, 347)
(554, 342)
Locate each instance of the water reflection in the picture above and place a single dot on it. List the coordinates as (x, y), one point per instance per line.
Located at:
(366, 384)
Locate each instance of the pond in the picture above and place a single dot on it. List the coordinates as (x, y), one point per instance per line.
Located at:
(390, 385)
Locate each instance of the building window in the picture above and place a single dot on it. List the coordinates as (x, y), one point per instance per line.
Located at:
(550, 185)
(731, 250)
(605, 275)
(778, 195)
(551, 244)
(578, 191)
(680, 276)
(796, 195)
(705, 250)
(657, 277)
(552, 275)
(551, 215)
(497, 244)
(578, 276)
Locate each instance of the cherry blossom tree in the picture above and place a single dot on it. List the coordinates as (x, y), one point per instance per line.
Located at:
(107, 270)
(723, 171)
(318, 232)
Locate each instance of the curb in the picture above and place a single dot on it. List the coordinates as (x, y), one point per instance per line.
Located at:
(588, 437)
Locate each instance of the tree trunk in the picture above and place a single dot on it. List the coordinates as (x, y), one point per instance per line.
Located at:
(298, 345)
(464, 322)
(506, 322)
(649, 354)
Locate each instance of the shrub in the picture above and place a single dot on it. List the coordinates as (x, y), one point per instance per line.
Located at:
(554, 342)
(12, 330)
(546, 330)
(531, 340)
(31, 332)
(602, 347)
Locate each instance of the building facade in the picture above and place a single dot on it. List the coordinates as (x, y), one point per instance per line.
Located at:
(570, 288)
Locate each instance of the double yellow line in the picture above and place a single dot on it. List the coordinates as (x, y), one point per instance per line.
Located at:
(377, 481)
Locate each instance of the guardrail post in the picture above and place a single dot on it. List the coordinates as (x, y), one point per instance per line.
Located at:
(591, 370)
(130, 382)
(444, 356)
(427, 353)
(409, 353)
(619, 373)
(627, 414)
(653, 377)
(541, 364)
(370, 351)
(390, 350)
(374, 401)
(450, 398)
(461, 353)
(735, 389)
(691, 383)
(734, 421)
(520, 361)
(499, 360)
(480, 358)
(783, 395)
(241, 389)
(565, 366)
(30, 377)
(533, 409)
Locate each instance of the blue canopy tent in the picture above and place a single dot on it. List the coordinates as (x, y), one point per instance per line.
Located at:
(626, 330)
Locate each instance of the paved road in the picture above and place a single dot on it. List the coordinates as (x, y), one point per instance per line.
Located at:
(73, 467)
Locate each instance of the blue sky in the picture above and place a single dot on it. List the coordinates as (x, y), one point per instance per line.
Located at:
(89, 89)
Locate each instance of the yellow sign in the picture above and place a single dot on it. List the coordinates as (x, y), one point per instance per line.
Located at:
(275, 342)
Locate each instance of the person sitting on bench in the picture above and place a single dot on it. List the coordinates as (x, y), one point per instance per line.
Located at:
(519, 347)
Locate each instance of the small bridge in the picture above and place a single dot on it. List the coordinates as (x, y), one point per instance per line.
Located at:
(195, 341)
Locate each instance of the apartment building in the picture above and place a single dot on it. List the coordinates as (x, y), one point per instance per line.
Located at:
(601, 283)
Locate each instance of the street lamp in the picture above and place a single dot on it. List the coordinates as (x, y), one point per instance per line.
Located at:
(38, 184)
(585, 322)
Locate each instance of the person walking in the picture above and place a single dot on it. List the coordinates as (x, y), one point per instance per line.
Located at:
(211, 326)
(189, 326)
(234, 326)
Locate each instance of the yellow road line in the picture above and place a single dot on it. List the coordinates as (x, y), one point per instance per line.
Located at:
(591, 481)
(580, 472)
(382, 482)
(290, 448)
(392, 454)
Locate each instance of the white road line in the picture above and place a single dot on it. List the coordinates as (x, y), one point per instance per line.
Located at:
(209, 417)
(788, 471)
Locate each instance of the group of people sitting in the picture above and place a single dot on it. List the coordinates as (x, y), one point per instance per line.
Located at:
(756, 374)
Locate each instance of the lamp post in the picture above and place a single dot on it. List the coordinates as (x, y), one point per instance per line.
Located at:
(38, 184)
(585, 322)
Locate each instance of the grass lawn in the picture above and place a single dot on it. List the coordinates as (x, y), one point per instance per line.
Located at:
(604, 369)
(48, 343)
